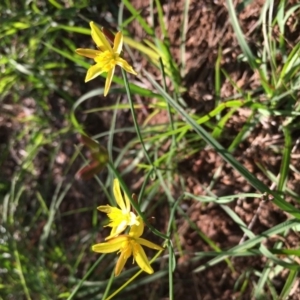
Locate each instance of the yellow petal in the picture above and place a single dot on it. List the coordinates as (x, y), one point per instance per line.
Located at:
(137, 230)
(105, 208)
(148, 244)
(116, 216)
(112, 234)
(118, 194)
(118, 43)
(117, 229)
(141, 258)
(125, 254)
(124, 64)
(90, 53)
(109, 77)
(127, 203)
(121, 227)
(99, 38)
(93, 72)
(120, 265)
(112, 245)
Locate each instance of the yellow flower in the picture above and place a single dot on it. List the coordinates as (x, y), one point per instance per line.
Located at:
(106, 57)
(120, 218)
(129, 244)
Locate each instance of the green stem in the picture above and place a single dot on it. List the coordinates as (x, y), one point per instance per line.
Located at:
(171, 267)
(21, 275)
(87, 274)
(136, 125)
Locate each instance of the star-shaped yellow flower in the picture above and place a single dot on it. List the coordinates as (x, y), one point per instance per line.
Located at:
(129, 244)
(119, 218)
(106, 57)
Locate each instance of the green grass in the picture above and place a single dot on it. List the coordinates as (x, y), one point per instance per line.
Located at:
(49, 219)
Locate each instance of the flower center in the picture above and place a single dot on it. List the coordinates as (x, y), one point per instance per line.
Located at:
(107, 60)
